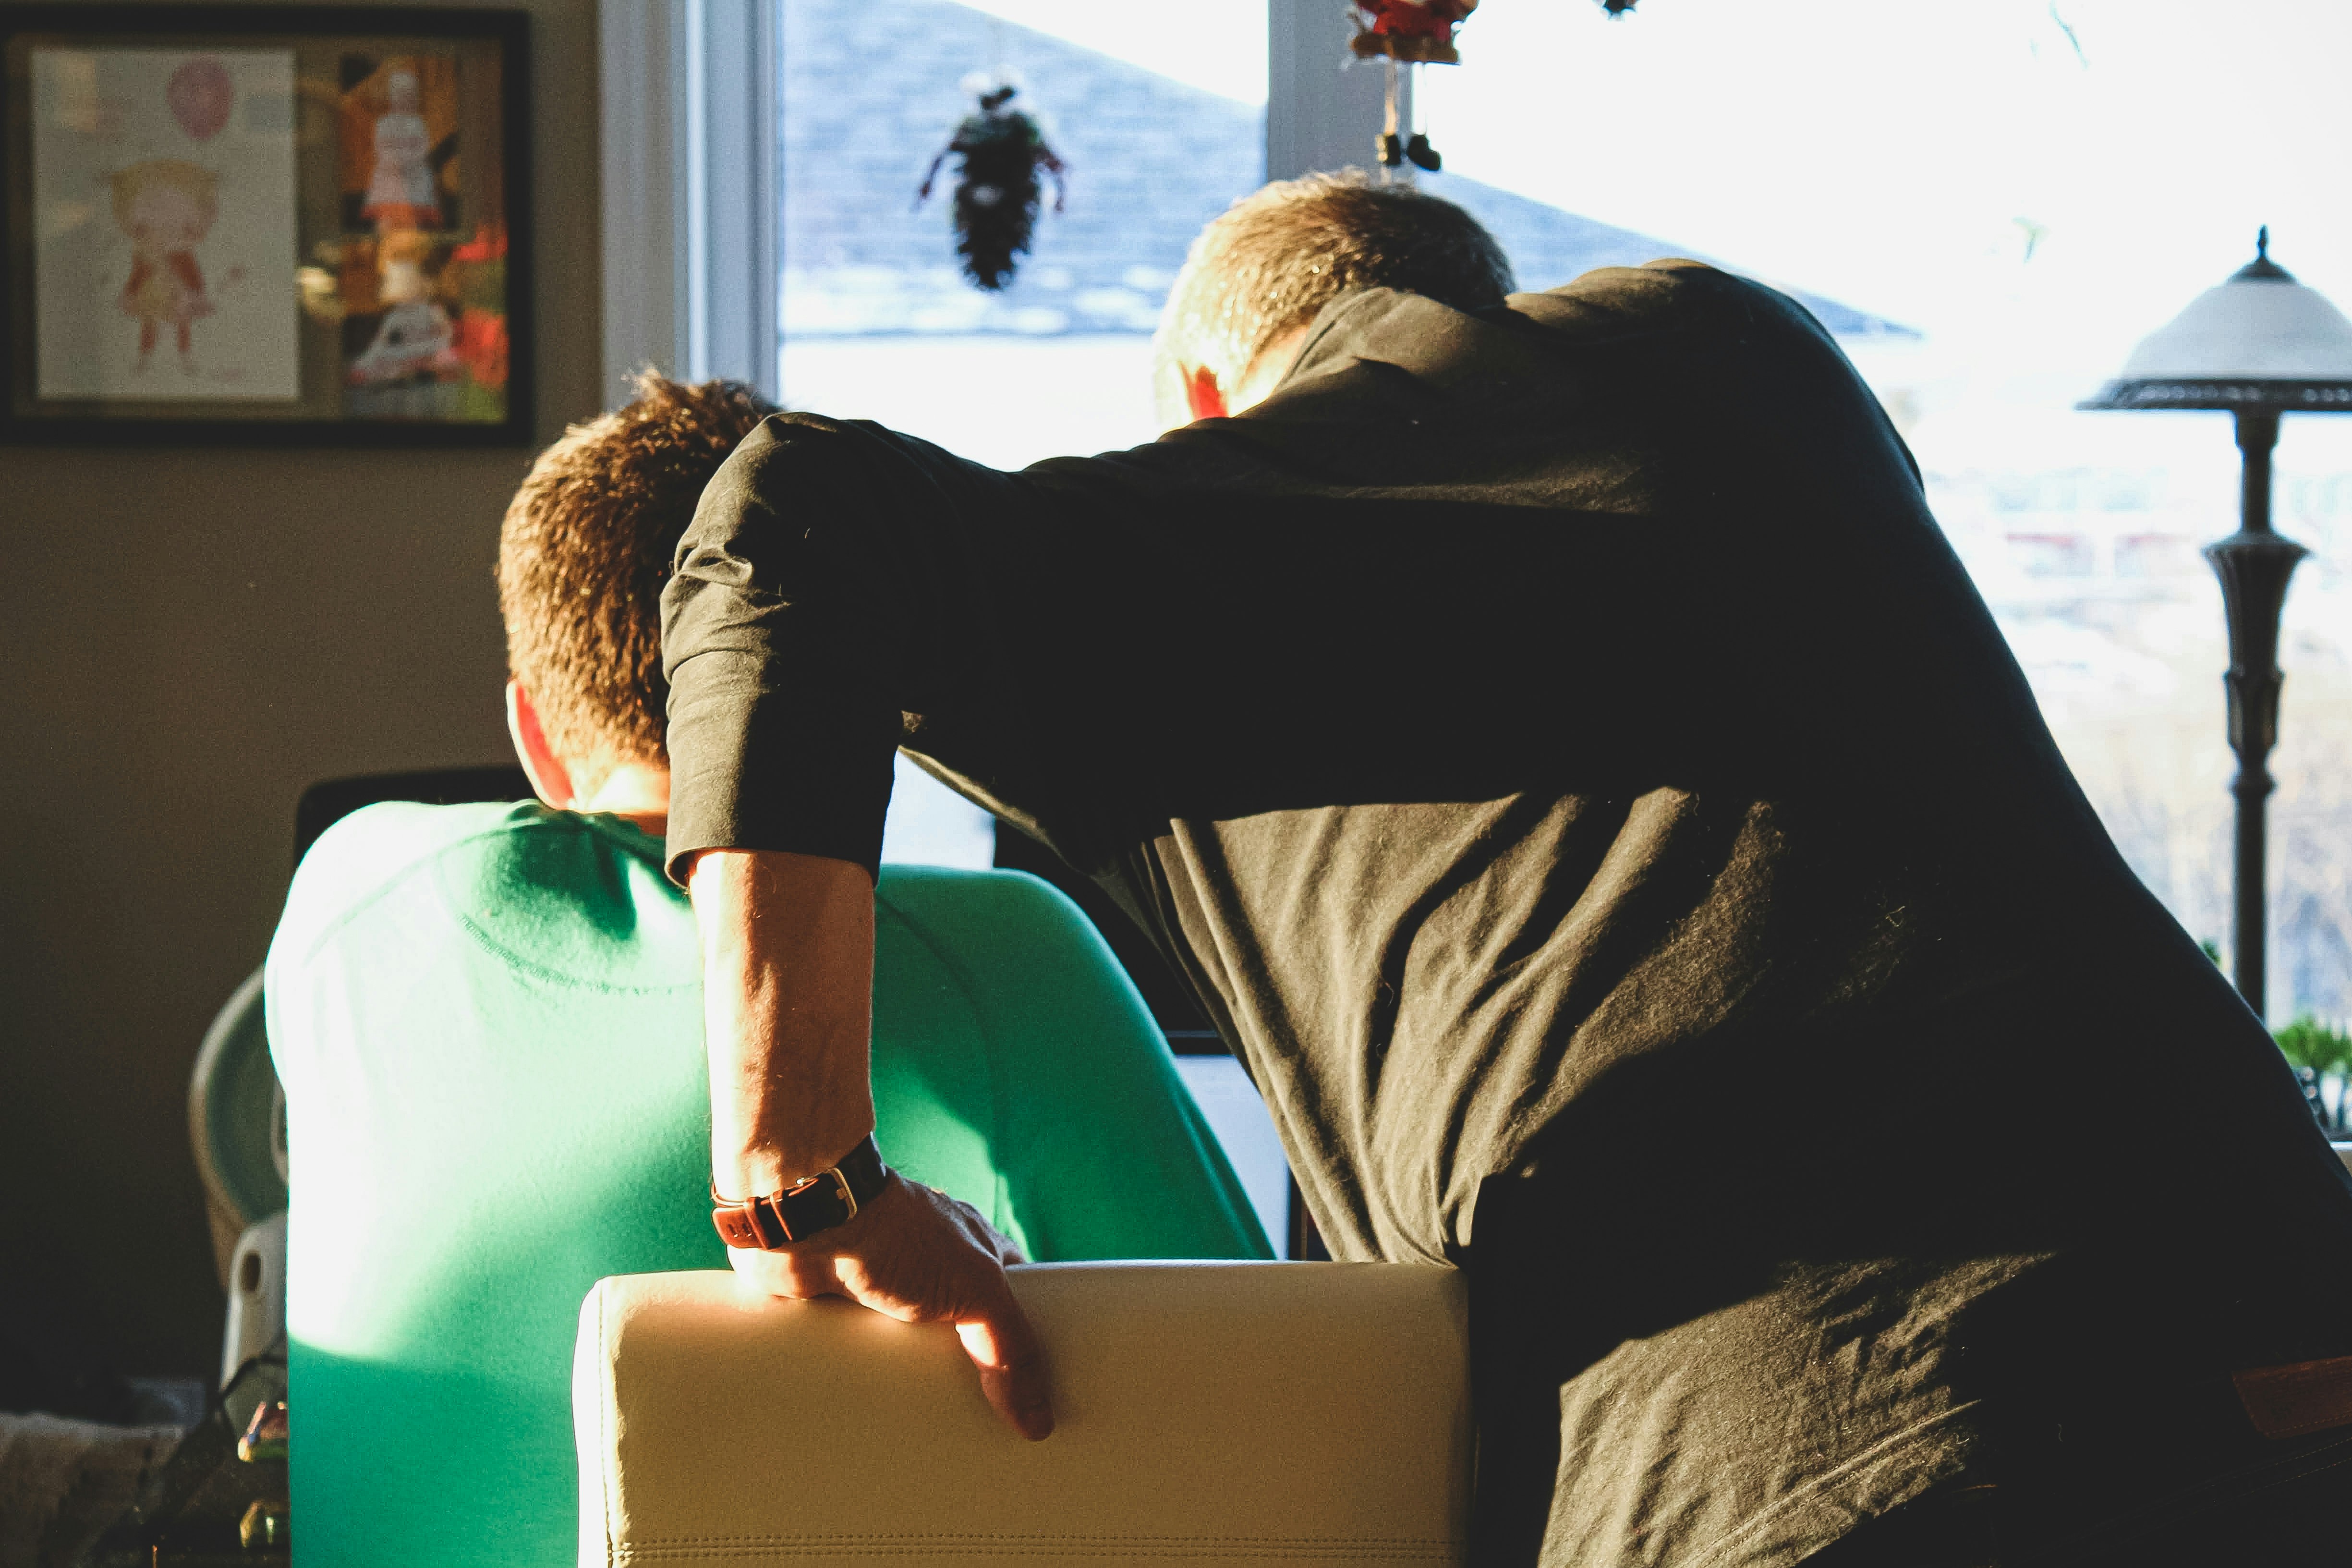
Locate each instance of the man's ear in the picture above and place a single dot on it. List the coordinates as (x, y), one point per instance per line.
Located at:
(1203, 396)
(549, 778)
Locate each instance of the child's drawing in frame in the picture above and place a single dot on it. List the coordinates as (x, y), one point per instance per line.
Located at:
(167, 206)
(163, 194)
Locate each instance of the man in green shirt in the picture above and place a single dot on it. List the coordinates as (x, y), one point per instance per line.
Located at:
(489, 1022)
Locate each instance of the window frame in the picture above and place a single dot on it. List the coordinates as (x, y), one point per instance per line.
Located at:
(692, 184)
(691, 199)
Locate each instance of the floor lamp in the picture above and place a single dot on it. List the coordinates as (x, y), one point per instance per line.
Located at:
(2259, 345)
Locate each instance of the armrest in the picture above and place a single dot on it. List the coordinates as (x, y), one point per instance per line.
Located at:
(1225, 1412)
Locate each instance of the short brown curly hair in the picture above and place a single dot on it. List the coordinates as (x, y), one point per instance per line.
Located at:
(584, 549)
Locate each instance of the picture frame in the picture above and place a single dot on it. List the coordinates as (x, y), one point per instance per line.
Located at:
(269, 224)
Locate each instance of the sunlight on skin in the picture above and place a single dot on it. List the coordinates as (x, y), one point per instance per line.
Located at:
(636, 791)
(1204, 399)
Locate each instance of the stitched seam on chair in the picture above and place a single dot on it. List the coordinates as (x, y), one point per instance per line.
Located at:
(1026, 1550)
(1050, 1546)
(1315, 1543)
(607, 1397)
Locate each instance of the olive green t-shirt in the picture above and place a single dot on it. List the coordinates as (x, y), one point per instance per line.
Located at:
(1575, 773)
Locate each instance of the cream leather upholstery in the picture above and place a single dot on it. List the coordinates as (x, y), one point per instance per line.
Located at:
(1228, 1414)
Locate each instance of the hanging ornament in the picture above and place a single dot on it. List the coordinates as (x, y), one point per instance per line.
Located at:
(999, 152)
(1396, 148)
(1405, 35)
(1391, 145)
(1410, 30)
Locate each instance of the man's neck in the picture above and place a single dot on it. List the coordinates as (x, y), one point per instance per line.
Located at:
(636, 791)
(1265, 373)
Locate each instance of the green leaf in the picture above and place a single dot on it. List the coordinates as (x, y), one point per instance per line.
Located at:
(2308, 1043)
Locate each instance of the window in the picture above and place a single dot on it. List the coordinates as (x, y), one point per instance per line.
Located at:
(1160, 127)
(2018, 191)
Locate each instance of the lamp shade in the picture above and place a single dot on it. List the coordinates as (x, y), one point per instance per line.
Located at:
(2259, 341)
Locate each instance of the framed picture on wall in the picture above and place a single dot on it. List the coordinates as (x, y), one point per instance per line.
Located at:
(293, 225)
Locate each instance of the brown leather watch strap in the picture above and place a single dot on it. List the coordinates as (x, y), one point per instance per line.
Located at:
(831, 1197)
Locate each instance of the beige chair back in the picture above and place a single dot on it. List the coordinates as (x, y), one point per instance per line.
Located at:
(1227, 1413)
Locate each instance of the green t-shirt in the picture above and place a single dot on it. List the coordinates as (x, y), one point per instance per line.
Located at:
(487, 1019)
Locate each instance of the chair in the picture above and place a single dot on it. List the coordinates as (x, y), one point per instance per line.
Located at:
(236, 1110)
(1231, 1413)
(236, 1125)
(236, 1116)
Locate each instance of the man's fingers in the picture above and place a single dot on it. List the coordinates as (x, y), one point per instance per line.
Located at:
(1012, 1367)
(985, 1235)
(918, 1256)
(795, 1275)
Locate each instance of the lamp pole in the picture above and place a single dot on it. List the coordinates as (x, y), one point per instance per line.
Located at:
(2258, 345)
(2254, 564)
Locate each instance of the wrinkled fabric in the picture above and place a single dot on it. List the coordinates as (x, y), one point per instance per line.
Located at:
(1579, 781)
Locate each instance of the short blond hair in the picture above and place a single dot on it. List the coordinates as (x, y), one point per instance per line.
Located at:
(1277, 258)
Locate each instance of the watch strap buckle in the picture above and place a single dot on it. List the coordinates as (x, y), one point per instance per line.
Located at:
(766, 1222)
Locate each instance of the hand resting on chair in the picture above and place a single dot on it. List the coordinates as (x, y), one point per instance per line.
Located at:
(921, 1257)
(788, 994)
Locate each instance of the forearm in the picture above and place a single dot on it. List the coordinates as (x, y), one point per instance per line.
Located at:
(809, 610)
(788, 996)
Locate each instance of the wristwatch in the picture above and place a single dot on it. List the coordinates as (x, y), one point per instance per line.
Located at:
(831, 1197)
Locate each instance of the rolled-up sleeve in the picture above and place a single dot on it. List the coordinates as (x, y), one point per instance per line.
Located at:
(785, 640)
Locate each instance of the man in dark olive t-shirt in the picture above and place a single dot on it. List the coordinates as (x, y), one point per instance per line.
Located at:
(1559, 747)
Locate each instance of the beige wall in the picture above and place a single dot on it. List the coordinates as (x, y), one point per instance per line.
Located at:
(190, 637)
